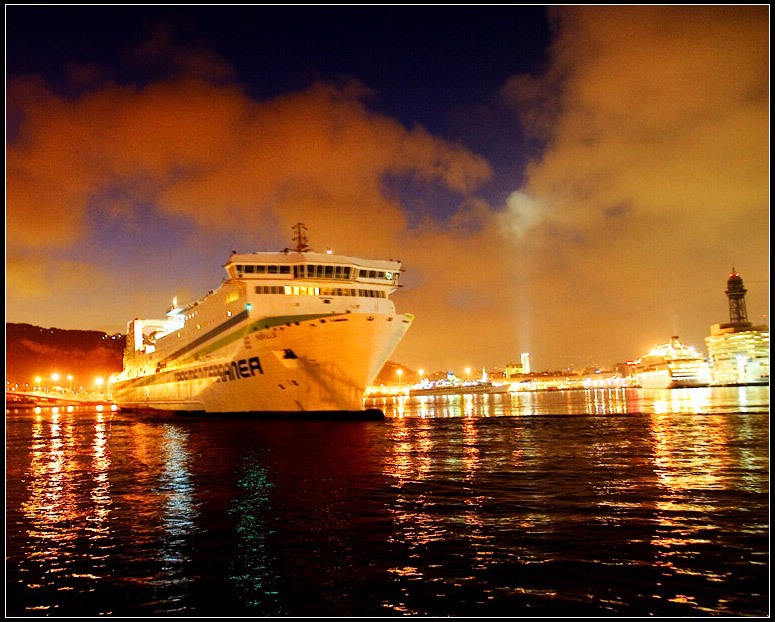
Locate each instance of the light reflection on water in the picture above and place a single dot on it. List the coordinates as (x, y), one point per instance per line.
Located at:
(178, 519)
(251, 570)
(627, 503)
(598, 401)
(71, 541)
(67, 504)
(660, 489)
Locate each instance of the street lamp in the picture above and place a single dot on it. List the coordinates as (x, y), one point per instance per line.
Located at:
(468, 371)
(37, 383)
(399, 372)
(98, 382)
(70, 379)
(421, 376)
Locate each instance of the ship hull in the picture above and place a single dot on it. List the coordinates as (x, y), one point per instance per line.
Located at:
(316, 366)
(664, 379)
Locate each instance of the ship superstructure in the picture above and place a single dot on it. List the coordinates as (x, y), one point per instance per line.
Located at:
(671, 366)
(289, 331)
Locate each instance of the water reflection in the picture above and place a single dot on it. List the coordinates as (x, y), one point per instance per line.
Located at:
(252, 569)
(691, 452)
(610, 401)
(50, 506)
(590, 401)
(100, 494)
(476, 512)
(555, 509)
(470, 447)
(68, 504)
(408, 464)
(176, 490)
(692, 400)
(169, 510)
(692, 460)
(438, 505)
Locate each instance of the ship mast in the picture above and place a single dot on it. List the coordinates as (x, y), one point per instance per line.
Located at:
(301, 240)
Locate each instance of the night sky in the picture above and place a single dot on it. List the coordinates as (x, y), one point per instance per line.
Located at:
(574, 182)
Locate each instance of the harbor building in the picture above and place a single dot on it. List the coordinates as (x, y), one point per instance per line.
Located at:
(738, 351)
(522, 369)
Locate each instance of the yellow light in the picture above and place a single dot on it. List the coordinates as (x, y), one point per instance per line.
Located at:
(55, 377)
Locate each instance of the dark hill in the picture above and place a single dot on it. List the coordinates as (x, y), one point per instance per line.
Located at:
(32, 351)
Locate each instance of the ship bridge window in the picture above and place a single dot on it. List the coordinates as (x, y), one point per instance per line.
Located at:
(323, 271)
(372, 293)
(267, 269)
(378, 274)
(270, 289)
(309, 290)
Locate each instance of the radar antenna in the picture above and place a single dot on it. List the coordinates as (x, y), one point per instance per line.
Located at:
(301, 240)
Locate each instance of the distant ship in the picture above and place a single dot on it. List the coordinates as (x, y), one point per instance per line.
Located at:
(286, 332)
(672, 366)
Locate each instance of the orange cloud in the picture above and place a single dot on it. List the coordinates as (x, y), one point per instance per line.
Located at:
(211, 154)
(654, 181)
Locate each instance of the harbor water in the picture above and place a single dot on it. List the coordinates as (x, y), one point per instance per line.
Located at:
(620, 502)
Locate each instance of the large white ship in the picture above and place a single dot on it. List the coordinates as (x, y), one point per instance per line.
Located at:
(285, 332)
(672, 366)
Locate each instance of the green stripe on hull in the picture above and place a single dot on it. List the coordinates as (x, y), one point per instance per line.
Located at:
(262, 324)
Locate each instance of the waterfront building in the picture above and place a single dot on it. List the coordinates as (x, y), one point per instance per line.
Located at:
(522, 369)
(738, 351)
